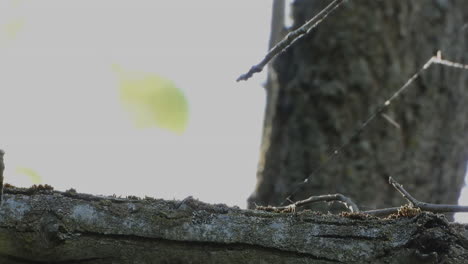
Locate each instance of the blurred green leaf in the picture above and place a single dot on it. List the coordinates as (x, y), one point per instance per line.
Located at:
(32, 174)
(13, 27)
(153, 100)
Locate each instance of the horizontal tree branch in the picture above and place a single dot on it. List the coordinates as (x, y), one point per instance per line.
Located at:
(40, 225)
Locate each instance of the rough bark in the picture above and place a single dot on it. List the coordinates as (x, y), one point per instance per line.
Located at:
(332, 80)
(40, 225)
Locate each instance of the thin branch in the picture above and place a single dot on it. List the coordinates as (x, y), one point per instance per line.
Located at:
(291, 38)
(314, 199)
(437, 59)
(360, 129)
(382, 212)
(435, 208)
(402, 191)
(414, 203)
(414, 208)
(391, 121)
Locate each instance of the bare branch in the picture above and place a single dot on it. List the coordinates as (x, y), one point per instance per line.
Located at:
(291, 38)
(391, 121)
(414, 203)
(435, 208)
(314, 199)
(382, 212)
(402, 191)
(437, 59)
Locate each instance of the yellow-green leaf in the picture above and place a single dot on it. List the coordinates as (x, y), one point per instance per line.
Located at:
(13, 27)
(32, 174)
(153, 100)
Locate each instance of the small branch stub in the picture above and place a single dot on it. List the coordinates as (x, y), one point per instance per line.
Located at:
(2, 168)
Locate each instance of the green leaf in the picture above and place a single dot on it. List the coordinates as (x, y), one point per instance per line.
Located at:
(153, 100)
(32, 174)
(12, 28)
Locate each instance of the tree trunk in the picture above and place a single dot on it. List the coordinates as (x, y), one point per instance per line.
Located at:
(329, 82)
(39, 225)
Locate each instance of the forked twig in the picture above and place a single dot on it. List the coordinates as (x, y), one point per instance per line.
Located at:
(435, 208)
(413, 203)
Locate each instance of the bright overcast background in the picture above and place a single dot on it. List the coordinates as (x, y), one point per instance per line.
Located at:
(62, 118)
(61, 114)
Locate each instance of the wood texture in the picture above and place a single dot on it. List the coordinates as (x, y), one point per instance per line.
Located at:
(40, 225)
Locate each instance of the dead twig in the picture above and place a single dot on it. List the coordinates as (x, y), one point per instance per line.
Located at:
(414, 206)
(435, 208)
(292, 37)
(437, 59)
(382, 212)
(314, 199)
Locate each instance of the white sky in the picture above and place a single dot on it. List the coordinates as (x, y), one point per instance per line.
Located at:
(60, 112)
